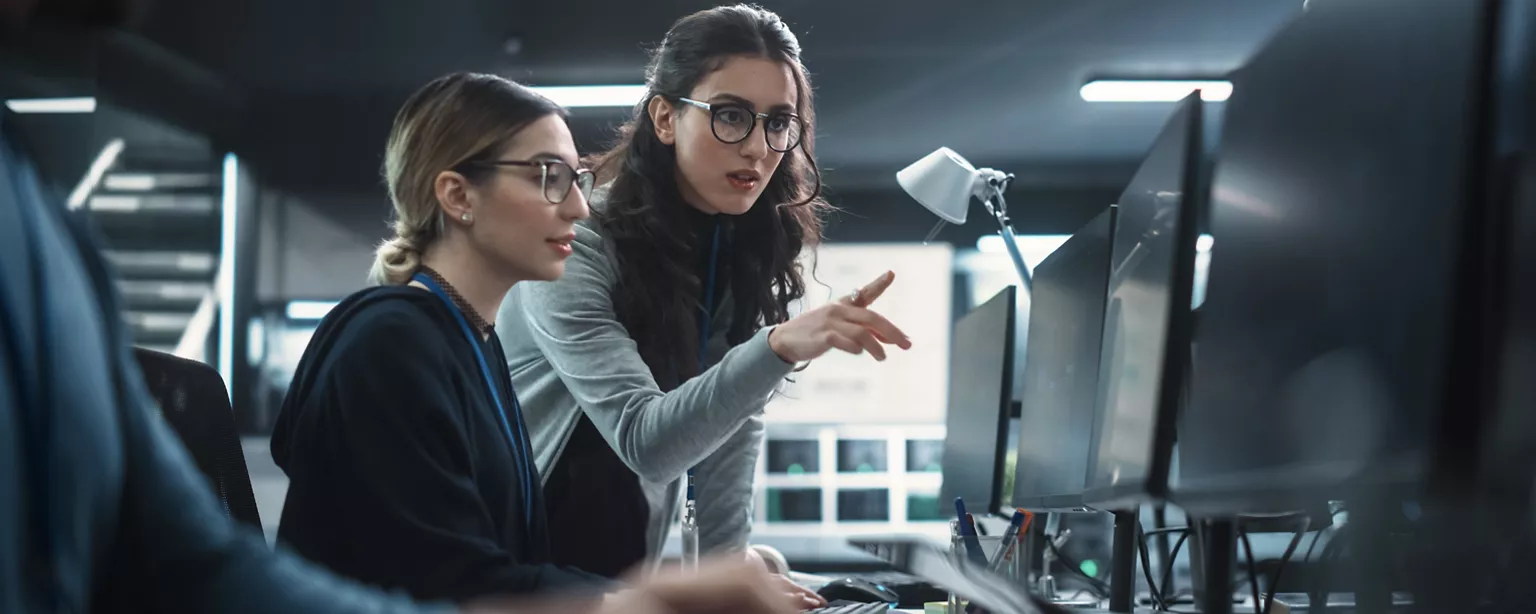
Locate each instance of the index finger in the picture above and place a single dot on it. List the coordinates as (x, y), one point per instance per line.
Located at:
(871, 291)
(883, 327)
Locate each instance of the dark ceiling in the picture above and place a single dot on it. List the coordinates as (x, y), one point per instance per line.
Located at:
(996, 81)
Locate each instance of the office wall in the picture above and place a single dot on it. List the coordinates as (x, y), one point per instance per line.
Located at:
(319, 245)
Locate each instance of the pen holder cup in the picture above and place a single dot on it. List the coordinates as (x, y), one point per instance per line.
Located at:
(1008, 565)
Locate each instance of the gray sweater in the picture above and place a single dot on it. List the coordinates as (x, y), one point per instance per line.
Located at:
(569, 354)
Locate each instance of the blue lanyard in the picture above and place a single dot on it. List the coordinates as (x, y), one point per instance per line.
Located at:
(514, 435)
(709, 314)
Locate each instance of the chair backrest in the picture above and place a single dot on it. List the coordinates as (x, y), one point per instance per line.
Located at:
(194, 401)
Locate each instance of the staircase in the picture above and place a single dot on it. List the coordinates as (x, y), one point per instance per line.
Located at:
(158, 213)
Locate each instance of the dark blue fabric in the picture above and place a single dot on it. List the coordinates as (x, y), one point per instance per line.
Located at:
(101, 508)
(516, 431)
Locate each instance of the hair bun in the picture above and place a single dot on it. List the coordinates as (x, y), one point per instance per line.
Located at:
(395, 261)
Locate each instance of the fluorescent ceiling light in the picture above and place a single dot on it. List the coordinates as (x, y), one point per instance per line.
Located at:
(1154, 91)
(85, 104)
(593, 95)
(99, 166)
(309, 310)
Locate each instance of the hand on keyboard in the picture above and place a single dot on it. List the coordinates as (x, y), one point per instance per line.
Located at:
(806, 597)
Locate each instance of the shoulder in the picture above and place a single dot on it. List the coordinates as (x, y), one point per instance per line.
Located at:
(393, 319)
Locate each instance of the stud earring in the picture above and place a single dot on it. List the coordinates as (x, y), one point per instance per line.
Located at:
(464, 216)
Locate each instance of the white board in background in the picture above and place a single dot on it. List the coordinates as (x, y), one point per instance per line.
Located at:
(911, 386)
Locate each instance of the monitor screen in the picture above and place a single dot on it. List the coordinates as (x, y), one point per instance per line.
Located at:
(1145, 343)
(1325, 346)
(980, 375)
(1061, 369)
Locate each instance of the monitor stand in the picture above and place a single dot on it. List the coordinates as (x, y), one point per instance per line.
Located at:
(1217, 547)
(1122, 562)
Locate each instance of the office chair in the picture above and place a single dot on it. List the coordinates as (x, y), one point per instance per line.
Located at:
(193, 400)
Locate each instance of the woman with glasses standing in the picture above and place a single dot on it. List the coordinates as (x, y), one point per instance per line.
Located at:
(408, 457)
(654, 356)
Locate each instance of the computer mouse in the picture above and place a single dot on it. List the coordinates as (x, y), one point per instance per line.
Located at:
(858, 589)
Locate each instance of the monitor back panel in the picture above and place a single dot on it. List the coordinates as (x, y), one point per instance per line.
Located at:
(980, 378)
(1061, 366)
(1145, 351)
(1342, 208)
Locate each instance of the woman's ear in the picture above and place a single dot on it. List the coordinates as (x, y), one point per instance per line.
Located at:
(452, 191)
(664, 118)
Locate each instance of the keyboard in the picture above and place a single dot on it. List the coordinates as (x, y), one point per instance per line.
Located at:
(851, 607)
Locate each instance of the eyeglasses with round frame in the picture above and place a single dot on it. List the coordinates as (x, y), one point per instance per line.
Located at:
(733, 122)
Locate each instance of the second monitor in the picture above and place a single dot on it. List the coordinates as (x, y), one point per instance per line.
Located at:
(1061, 369)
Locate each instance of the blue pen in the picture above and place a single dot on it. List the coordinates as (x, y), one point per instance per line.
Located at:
(973, 549)
(1005, 548)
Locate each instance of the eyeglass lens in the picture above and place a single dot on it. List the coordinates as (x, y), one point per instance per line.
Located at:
(558, 179)
(732, 124)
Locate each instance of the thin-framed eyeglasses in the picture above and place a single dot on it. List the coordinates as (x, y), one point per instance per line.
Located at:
(733, 123)
(555, 177)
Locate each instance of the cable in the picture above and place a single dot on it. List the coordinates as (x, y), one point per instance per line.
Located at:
(1317, 597)
(1146, 570)
(1274, 583)
(1253, 571)
(1173, 556)
(1316, 537)
(1077, 568)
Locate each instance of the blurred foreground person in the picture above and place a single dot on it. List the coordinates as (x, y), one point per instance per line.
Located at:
(101, 508)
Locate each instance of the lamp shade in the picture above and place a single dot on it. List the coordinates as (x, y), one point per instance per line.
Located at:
(943, 182)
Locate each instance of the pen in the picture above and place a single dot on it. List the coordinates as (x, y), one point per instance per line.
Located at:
(1005, 547)
(1018, 538)
(973, 549)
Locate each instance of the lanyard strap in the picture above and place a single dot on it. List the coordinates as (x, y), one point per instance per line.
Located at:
(514, 433)
(708, 320)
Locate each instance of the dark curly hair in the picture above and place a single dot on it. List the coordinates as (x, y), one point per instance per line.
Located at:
(646, 220)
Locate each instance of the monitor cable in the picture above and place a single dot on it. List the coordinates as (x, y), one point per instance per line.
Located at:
(1099, 587)
(1253, 570)
(1146, 569)
(1285, 559)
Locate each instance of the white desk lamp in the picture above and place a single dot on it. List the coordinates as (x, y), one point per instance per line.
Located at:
(944, 182)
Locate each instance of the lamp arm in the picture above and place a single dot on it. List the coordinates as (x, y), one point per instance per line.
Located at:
(998, 207)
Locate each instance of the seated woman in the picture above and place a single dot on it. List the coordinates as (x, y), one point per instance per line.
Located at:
(409, 462)
(655, 355)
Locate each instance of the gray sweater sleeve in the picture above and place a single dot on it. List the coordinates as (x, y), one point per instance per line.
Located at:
(658, 435)
(723, 484)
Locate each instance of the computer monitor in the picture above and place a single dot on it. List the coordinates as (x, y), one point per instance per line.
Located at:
(1061, 369)
(1145, 351)
(980, 379)
(1344, 346)
(1510, 444)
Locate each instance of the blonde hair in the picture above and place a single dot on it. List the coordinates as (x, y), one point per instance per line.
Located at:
(452, 123)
